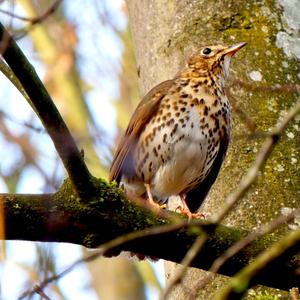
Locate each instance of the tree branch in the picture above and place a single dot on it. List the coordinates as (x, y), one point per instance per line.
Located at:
(48, 114)
(61, 217)
(261, 158)
(49, 11)
(252, 236)
(247, 277)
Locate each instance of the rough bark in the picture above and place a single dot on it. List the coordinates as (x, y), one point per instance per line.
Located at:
(165, 31)
(121, 279)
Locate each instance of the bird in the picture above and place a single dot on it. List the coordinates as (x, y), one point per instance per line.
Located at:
(178, 135)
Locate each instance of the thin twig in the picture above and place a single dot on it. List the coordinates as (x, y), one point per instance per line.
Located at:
(49, 11)
(115, 243)
(37, 289)
(261, 158)
(284, 88)
(250, 124)
(184, 264)
(244, 278)
(230, 252)
(36, 129)
(30, 153)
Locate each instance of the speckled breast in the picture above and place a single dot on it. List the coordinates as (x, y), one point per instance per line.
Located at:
(177, 149)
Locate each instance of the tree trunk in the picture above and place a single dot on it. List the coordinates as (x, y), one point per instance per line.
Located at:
(165, 31)
(116, 278)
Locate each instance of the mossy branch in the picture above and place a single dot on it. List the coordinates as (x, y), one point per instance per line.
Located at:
(62, 217)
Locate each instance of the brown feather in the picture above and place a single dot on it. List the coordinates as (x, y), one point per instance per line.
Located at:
(123, 160)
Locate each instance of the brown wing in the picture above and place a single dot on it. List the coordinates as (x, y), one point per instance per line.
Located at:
(195, 197)
(123, 160)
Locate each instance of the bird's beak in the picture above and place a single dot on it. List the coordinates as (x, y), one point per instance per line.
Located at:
(231, 50)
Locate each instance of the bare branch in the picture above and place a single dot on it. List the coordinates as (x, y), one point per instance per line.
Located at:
(49, 11)
(277, 88)
(184, 264)
(119, 241)
(28, 125)
(48, 114)
(40, 292)
(261, 158)
(289, 245)
(251, 126)
(267, 228)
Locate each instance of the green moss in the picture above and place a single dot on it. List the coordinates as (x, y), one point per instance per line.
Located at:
(108, 198)
(90, 240)
(265, 295)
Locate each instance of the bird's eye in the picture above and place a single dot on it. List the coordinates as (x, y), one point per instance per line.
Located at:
(206, 51)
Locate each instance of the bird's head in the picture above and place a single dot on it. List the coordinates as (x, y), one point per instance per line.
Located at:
(213, 59)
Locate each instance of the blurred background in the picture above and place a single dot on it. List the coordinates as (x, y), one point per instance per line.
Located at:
(83, 52)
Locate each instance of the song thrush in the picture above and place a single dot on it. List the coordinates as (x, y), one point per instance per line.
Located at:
(178, 135)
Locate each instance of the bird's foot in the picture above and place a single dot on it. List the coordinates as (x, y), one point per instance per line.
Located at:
(189, 214)
(156, 206)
